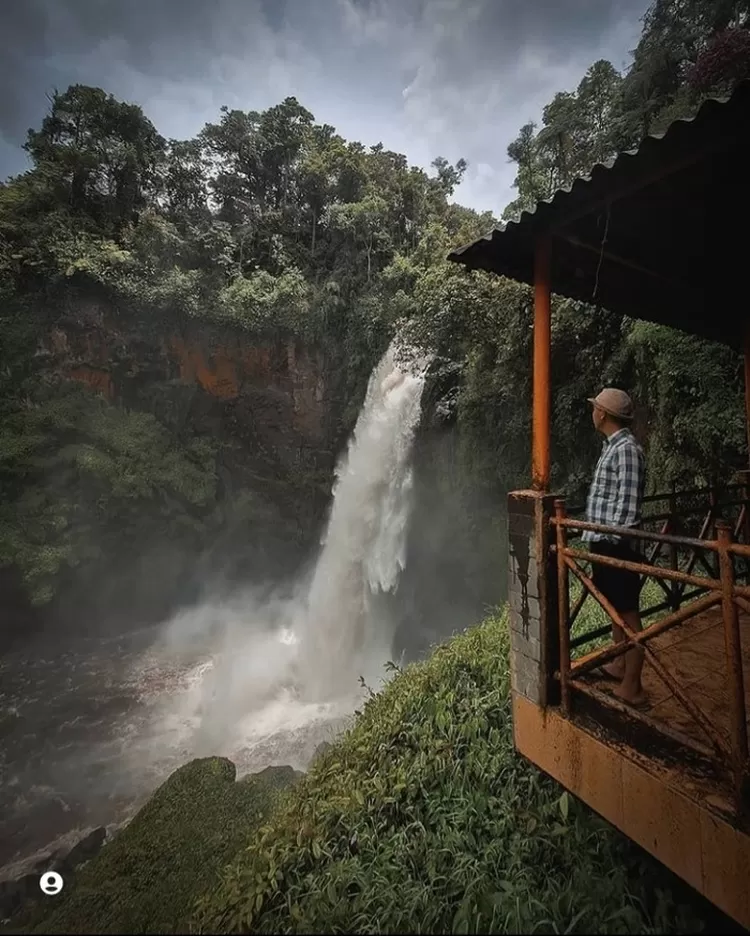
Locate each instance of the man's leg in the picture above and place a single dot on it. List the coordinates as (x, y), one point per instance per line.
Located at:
(605, 579)
(631, 689)
(616, 668)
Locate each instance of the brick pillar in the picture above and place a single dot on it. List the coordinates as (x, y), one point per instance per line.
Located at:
(532, 598)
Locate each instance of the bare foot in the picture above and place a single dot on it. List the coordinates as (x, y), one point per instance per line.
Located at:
(635, 698)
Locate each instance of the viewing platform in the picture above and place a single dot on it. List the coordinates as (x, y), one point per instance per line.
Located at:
(654, 234)
(672, 774)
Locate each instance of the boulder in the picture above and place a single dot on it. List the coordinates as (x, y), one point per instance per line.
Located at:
(153, 870)
(46, 863)
(277, 777)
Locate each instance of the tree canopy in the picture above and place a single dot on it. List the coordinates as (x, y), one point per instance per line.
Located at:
(275, 227)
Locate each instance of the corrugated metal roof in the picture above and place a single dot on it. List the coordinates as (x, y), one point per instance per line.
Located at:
(739, 99)
(718, 123)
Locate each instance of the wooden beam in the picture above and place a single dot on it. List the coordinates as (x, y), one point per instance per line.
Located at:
(540, 443)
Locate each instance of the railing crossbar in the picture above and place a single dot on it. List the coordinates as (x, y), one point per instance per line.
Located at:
(666, 677)
(687, 595)
(636, 533)
(596, 658)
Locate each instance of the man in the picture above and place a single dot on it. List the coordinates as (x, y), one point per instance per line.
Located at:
(615, 499)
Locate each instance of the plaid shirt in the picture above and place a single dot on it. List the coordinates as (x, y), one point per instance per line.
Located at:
(616, 493)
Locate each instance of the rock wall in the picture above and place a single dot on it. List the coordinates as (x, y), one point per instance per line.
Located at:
(277, 407)
(119, 357)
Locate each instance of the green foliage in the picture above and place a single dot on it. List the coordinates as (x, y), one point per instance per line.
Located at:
(266, 224)
(693, 392)
(578, 130)
(422, 818)
(103, 153)
(272, 225)
(265, 304)
(86, 476)
(146, 880)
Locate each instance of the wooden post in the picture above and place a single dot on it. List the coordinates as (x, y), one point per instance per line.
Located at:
(674, 587)
(746, 355)
(540, 446)
(713, 503)
(736, 693)
(743, 522)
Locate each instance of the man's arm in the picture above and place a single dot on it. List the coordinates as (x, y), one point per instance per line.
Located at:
(629, 468)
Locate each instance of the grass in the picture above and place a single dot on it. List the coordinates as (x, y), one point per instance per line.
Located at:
(592, 616)
(422, 818)
(147, 879)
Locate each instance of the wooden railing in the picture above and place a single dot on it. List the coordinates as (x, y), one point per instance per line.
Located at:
(716, 550)
(696, 510)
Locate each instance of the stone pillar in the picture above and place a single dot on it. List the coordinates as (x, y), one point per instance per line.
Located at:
(532, 598)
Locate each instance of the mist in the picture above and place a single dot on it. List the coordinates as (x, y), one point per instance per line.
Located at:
(259, 674)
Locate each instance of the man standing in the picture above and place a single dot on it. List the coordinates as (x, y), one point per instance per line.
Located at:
(615, 499)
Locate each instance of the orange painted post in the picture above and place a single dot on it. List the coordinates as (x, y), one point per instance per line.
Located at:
(734, 661)
(540, 445)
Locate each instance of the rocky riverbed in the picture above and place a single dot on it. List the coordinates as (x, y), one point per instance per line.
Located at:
(91, 727)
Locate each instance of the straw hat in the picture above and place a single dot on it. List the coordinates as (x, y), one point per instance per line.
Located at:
(615, 402)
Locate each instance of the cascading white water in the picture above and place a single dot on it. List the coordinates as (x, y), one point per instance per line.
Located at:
(280, 654)
(364, 548)
(259, 680)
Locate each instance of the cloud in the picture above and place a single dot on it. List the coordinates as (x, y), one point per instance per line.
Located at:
(426, 77)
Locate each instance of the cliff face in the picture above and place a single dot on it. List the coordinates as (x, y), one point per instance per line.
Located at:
(265, 382)
(274, 407)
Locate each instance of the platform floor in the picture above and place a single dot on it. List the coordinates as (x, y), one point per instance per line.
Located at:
(694, 654)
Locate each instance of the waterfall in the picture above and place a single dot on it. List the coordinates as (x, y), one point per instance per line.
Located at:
(259, 678)
(363, 551)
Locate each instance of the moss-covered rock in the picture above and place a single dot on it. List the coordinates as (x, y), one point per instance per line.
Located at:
(148, 878)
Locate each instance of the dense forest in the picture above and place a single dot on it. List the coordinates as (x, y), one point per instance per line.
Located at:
(187, 328)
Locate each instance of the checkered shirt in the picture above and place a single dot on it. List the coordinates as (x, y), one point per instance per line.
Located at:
(616, 492)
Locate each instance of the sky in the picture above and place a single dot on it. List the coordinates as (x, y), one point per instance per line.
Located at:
(427, 78)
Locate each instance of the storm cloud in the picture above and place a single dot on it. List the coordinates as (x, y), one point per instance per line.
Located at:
(455, 78)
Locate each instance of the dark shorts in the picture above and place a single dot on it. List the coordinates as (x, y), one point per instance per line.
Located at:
(621, 587)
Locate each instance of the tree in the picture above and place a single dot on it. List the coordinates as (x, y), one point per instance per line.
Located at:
(282, 132)
(530, 178)
(183, 185)
(106, 153)
(364, 223)
(595, 107)
(449, 176)
(723, 63)
(558, 141)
